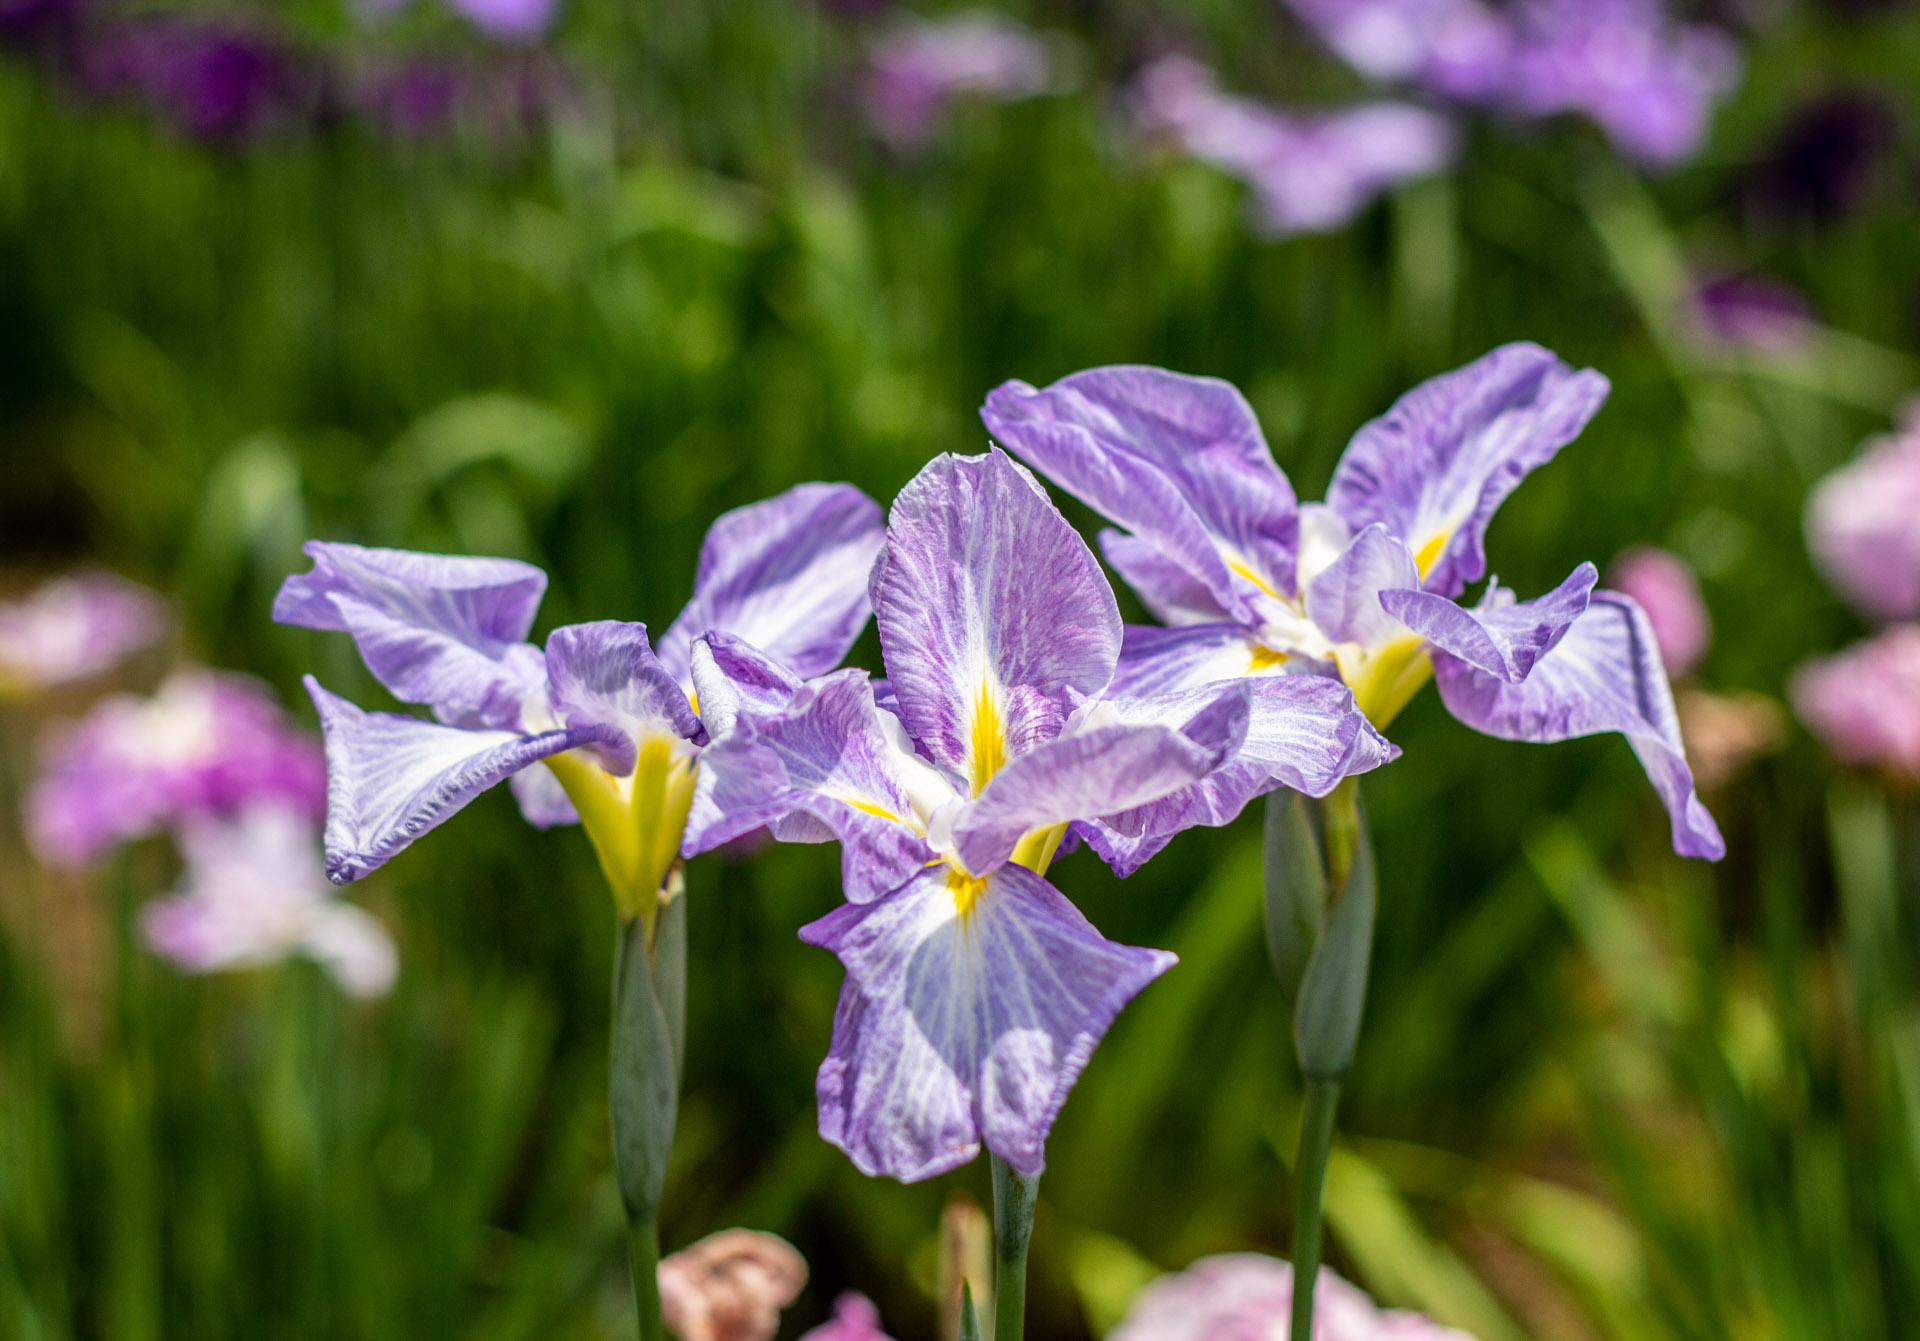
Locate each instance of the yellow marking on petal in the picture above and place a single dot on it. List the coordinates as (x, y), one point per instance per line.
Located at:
(987, 752)
(1386, 680)
(1430, 552)
(966, 890)
(870, 808)
(1035, 850)
(1265, 659)
(1240, 567)
(635, 823)
(693, 697)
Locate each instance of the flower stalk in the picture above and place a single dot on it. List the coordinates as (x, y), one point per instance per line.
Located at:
(1014, 1196)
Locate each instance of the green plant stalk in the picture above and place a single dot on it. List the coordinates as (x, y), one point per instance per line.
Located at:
(1309, 1181)
(643, 1247)
(1014, 1195)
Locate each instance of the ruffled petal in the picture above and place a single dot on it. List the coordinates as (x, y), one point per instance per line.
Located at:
(1171, 593)
(1179, 461)
(1604, 675)
(1436, 466)
(1344, 600)
(1500, 636)
(957, 1029)
(443, 630)
(390, 778)
(788, 575)
(995, 619)
(604, 675)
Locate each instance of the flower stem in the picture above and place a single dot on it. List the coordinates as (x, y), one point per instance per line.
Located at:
(1309, 1180)
(1014, 1195)
(643, 1245)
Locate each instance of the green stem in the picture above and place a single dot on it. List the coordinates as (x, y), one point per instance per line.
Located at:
(1014, 1195)
(643, 1244)
(1309, 1180)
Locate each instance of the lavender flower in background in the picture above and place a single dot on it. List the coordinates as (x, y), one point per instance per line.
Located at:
(1362, 587)
(975, 992)
(1309, 173)
(730, 1286)
(205, 744)
(1750, 313)
(1248, 1295)
(74, 628)
(922, 67)
(213, 80)
(854, 1319)
(505, 21)
(1864, 703)
(1664, 587)
(253, 894)
(609, 716)
(1863, 526)
(1457, 48)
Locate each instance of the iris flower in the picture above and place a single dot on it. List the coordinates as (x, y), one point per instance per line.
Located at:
(1364, 586)
(598, 728)
(975, 992)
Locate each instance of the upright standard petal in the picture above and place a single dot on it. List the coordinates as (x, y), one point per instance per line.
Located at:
(995, 619)
(1502, 636)
(1344, 600)
(731, 677)
(1604, 675)
(788, 575)
(390, 778)
(1179, 461)
(604, 675)
(1171, 593)
(1436, 466)
(446, 631)
(969, 1010)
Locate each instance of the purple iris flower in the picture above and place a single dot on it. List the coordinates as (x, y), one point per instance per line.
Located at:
(1863, 525)
(920, 68)
(74, 628)
(598, 728)
(1458, 48)
(253, 894)
(1309, 173)
(203, 745)
(1363, 586)
(1864, 703)
(975, 991)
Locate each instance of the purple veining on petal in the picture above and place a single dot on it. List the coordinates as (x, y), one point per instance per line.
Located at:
(1501, 636)
(74, 628)
(1864, 703)
(604, 676)
(732, 677)
(1663, 586)
(1345, 599)
(1863, 526)
(1157, 661)
(1605, 675)
(1439, 463)
(961, 1029)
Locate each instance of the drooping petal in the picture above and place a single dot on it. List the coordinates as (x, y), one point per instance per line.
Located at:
(1501, 636)
(542, 800)
(446, 631)
(604, 675)
(1083, 776)
(1171, 593)
(1179, 461)
(1604, 675)
(829, 765)
(390, 778)
(1344, 600)
(995, 619)
(788, 574)
(1436, 466)
(1155, 661)
(1303, 731)
(731, 677)
(958, 1028)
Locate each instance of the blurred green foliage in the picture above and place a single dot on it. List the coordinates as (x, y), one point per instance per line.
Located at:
(1600, 1092)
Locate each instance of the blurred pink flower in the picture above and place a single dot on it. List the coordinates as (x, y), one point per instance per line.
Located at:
(1309, 173)
(1663, 586)
(204, 744)
(730, 1286)
(254, 893)
(74, 627)
(854, 1319)
(1246, 1296)
(1864, 703)
(922, 66)
(1863, 526)
(1457, 48)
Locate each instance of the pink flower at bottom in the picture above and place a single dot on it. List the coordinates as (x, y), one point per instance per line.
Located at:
(1247, 1296)
(854, 1319)
(1863, 526)
(73, 628)
(1864, 703)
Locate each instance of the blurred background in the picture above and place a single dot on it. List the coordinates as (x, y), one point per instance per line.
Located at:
(563, 280)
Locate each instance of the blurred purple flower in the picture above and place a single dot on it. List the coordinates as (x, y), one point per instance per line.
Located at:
(72, 628)
(1864, 703)
(1825, 157)
(253, 893)
(1863, 526)
(1751, 312)
(1457, 48)
(214, 82)
(854, 1319)
(1667, 591)
(1248, 1295)
(509, 20)
(1310, 173)
(29, 20)
(920, 68)
(205, 744)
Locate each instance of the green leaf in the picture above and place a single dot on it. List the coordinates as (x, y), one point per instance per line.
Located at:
(649, 1040)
